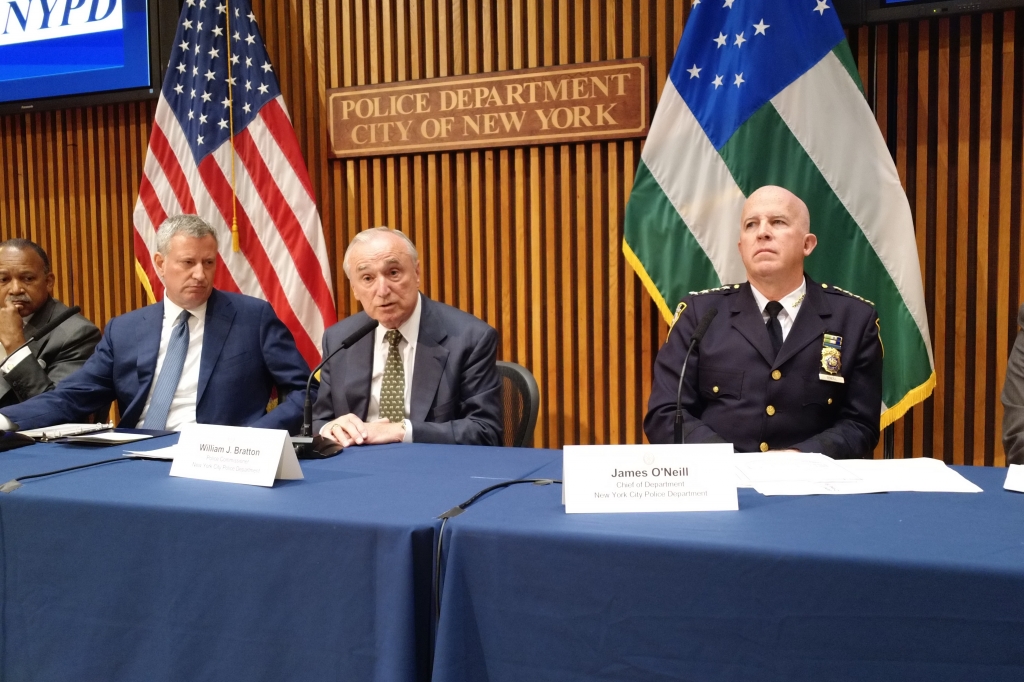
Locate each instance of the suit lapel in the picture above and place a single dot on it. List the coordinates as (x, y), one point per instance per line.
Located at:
(811, 322)
(747, 320)
(147, 339)
(358, 364)
(431, 358)
(40, 319)
(219, 316)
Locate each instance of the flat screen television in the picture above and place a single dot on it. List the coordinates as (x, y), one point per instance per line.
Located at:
(856, 12)
(58, 54)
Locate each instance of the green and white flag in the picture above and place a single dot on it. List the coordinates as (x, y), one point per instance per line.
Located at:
(765, 92)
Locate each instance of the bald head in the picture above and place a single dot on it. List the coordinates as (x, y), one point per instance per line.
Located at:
(775, 237)
(779, 198)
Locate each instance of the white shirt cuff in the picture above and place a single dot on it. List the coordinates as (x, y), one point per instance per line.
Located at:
(407, 438)
(12, 360)
(6, 424)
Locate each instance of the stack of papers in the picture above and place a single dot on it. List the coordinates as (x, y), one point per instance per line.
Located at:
(808, 473)
(108, 438)
(64, 430)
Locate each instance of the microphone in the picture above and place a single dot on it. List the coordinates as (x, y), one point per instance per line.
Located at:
(698, 334)
(50, 326)
(318, 447)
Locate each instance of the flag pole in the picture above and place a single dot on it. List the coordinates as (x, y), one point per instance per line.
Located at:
(231, 131)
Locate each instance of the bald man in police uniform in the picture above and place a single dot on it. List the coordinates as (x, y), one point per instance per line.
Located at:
(787, 364)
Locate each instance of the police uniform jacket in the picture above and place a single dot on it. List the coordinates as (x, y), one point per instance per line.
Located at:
(735, 392)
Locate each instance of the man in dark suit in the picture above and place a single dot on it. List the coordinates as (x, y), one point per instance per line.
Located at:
(26, 294)
(200, 355)
(1013, 398)
(786, 364)
(427, 374)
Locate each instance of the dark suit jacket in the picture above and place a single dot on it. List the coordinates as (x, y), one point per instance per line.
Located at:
(731, 379)
(456, 391)
(55, 356)
(247, 351)
(1013, 398)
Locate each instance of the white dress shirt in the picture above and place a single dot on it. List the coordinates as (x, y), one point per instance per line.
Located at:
(183, 405)
(791, 303)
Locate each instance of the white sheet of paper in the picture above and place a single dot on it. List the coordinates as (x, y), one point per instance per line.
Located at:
(1014, 478)
(807, 473)
(160, 453)
(919, 474)
(112, 437)
(647, 478)
(233, 454)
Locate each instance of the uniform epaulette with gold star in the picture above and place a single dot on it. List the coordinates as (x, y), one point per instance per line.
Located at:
(848, 293)
(725, 287)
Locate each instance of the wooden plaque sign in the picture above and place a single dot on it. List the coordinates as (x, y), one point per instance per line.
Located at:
(549, 105)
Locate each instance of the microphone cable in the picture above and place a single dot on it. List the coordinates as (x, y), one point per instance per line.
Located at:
(15, 483)
(458, 509)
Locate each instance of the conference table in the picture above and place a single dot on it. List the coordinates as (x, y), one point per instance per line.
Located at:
(122, 572)
(896, 586)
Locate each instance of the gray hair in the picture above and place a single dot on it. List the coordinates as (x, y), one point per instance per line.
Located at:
(188, 225)
(372, 233)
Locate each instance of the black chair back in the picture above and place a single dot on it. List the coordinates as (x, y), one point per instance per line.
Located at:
(520, 401)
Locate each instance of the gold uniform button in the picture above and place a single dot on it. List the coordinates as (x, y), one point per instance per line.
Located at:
(770, 410)
(824, 286)
(830, 401)
(714, 389)
(764, 447)
(776, 374)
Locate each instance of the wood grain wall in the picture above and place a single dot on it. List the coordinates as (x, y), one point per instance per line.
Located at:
(529, 239)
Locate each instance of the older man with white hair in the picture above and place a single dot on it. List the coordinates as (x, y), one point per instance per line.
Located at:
(426, 374)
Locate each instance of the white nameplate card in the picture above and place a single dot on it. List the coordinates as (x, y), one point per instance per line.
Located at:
(1014, 478)
(234, 454)
(647, 478)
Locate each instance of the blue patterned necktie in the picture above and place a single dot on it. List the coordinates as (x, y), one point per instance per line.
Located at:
(170, 374)
(392, 389)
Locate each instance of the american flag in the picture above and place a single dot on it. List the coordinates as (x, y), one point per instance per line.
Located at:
(282, 256)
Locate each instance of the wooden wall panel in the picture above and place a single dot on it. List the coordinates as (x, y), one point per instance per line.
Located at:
(68, 180)
(948, 95)
(529, 238)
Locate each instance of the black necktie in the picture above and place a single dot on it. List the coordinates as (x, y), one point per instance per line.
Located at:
(774, 328)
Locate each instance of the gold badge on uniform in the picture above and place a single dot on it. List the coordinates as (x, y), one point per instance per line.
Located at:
(832, 358)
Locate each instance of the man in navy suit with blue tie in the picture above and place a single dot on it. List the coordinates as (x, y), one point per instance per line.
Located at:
(426, 374)
(200, 355)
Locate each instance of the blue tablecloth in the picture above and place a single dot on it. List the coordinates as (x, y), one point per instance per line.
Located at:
(898, 586)
(121, 572)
